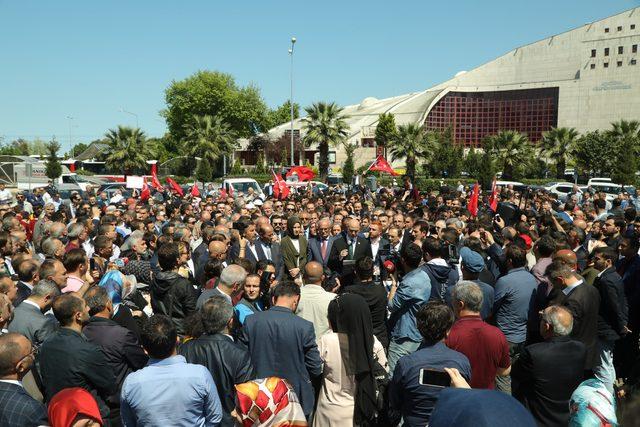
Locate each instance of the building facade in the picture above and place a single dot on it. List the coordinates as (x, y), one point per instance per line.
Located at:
(585, 78)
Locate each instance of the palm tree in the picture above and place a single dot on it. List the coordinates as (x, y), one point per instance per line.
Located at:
(625, 129)
(509, 148)
(324, 125)
(409, 143)
(557, 144)
(209, 138)
(128, 150)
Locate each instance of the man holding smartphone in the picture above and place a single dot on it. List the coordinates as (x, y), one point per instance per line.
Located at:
(419, 377)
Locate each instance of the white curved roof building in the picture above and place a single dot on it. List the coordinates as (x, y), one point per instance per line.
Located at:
(584, 78)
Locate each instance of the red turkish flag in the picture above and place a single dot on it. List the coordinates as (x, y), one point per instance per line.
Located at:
(195, 192)
(145, 193)
(380, 164)
(174, 185)
(304, 173)
(493, 200)
(473, 201)
(280, 188)
(155, 182)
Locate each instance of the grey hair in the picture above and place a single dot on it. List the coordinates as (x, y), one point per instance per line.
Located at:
(470, 294)
(45, 287)
(215, 314)
(552, 317)
(455, 222)
(56, 229)
(48, 246)
(7, 223)
(233, 274)
(75, 230)
(179, 231)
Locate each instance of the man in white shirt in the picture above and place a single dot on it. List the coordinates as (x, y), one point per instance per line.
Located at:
(5, 195)
(314, 300)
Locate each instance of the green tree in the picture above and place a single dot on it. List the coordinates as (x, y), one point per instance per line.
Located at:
(128, 151)
(204, 171)
(53, 168)
(624, 136)
(445, 157)
(209, 138)
(260, 164)
(325, 125)
(282, 114)
(78, 149)
(556, 144)
(348, 168)
(216, 94)
(594, 153)
(486, 171)
(471, 163)
(510, 149)
(385, 129)
(409, 143)
(237, 168)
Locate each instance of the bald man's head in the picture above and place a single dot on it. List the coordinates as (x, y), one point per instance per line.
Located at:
(580, 223)
(567, 257)
(313, 272)
(217, 250)
(14, 348)
(557, 321)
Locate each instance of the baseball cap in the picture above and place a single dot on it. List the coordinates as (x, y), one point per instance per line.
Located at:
(471, 260)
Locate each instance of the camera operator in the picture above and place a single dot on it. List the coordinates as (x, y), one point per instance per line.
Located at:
(442, 274)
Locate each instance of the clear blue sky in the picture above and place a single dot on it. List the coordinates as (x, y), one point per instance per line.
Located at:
(88, 59)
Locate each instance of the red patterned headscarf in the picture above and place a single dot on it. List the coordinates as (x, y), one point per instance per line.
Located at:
(269, 402)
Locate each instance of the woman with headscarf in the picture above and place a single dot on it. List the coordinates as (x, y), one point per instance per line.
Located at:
(350, 354)
(74, 407)
(268, 402)
(294, 250)
(120, 288)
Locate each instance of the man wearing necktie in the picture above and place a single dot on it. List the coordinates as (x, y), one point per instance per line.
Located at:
(347, 248)
(319, 246)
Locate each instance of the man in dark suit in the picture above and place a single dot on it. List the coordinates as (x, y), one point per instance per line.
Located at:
(267, 249)
(613, 314)
(546, 373)
(26, 272)
(17, 408)
(583, 301)
(284, 345)
(346, 249)
(319, 247)
(380, 249)
(120, 346)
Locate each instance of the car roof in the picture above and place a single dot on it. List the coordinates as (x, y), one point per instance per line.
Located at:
(240, 180)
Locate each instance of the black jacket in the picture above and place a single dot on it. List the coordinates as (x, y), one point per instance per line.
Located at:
(376, 297)
(228, 362)
(613, 314)
(544, 377)
(584, 302)
(68, 359)
(443, 278)
(346, 269)
(120, 346)
(173, 296)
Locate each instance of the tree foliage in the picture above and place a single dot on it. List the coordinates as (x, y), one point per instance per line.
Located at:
(325, 125)
(409, 143)
(53, 168)
(216, 94)
(78, 149)
(487, 170)
(445, 157)
(594, 153)
(348, 168)
(472, 162)
(282, 114)
(510, 149)
(209, 138)
(556, 144)
(385, 129)
(128, 151)
(204, 171)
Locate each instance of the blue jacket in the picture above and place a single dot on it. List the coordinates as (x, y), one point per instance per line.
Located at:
(413, 292)
(514, 301)
(284, 345)
(18, 409)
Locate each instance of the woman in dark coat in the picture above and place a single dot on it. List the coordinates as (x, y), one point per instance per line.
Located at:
(294, 250)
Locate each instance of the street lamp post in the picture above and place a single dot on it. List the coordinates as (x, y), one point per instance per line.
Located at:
(293, 42)
(70, 140)
(122, 110)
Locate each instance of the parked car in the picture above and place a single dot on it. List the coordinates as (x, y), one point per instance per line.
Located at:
(242, 185)
(561, 189)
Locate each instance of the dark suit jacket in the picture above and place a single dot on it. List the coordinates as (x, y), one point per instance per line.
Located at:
(228, 362)
(314, 252)
(613, 314)
(584, 302)
(120, 346)
(276, 256)
(18, 409)
(544, 377)
(68, 359)
(284, 345)
(363, 248)
(582, 256)
(23, 293)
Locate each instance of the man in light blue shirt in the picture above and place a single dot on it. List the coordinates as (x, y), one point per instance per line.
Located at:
(404, 301)
(168, 391)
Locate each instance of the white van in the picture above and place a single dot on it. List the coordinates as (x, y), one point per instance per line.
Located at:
(242, 185)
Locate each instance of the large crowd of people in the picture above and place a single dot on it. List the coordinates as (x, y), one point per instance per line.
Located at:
(352, 307)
